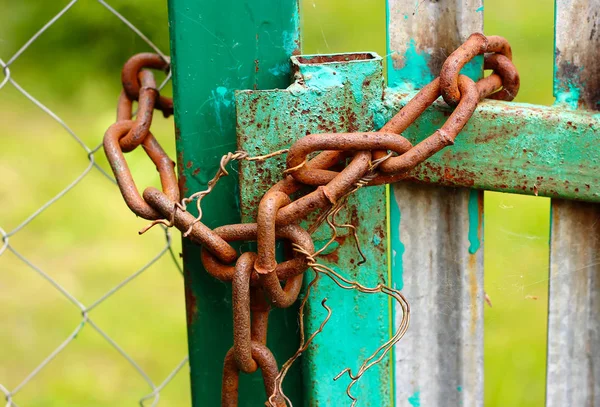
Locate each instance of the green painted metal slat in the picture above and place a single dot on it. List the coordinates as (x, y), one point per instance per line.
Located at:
(218, 47)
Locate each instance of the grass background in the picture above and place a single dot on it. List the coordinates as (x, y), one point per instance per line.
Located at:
(88, 241)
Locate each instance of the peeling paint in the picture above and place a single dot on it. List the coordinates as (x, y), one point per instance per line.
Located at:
(567, 85)
(415, 399)
(474, 242)
(397, 245)
(291, 39)
(280, 69)
(413, 75)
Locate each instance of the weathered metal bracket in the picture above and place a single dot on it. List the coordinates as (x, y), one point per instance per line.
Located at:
(330, 93)
(507, 147)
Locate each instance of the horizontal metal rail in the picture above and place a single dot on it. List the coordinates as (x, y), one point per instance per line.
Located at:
(513, 147)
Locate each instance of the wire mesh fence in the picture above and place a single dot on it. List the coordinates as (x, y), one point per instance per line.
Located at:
(79, 307)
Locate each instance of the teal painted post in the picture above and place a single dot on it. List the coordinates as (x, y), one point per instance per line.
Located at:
(436, 232)
(217, 47)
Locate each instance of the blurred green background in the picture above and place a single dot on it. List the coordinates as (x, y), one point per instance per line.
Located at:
(88, 242)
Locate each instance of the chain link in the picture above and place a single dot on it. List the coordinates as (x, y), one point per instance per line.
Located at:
(374, 158)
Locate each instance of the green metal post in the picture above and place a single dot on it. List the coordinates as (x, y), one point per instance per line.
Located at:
(217, 47)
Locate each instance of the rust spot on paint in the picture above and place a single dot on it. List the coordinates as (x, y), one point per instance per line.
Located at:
(190, 305)
(323, 59)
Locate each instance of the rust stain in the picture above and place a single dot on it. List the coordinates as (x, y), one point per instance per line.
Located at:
(473, 289)
(191, 306)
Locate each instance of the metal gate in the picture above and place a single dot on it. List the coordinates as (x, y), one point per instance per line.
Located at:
(434, 234)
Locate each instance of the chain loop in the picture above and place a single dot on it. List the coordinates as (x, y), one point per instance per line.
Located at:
(366, 158)
(231, 376)
(164, 165)
(130, 75)
(476, 44)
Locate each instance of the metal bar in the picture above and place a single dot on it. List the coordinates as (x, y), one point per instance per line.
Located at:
(512, 147)
(573, 324)
(436, 232)
(332, 93)
(218, 47)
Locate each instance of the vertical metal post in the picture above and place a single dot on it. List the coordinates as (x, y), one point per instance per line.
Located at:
(436, 233)
(217, 47)
(573, 370)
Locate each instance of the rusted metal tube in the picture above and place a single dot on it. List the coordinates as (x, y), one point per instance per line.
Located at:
(240, 298)
(267, 212)
(268, 365)
(182, 220)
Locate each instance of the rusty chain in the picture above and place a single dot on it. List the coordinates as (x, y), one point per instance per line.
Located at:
(375, 158)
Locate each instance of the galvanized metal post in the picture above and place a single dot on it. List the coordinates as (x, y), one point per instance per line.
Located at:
(573, 372)
(436, 232)
(217, 47)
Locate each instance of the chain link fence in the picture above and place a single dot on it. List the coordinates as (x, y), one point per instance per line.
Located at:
(25, 378)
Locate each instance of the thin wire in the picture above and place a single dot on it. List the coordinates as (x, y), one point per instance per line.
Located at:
(200, 195)
(123, 353)
(128, 279)
(135, 30)
(6, 72)
(53, 200)
(51, 114)
(53, 282)
(165, 382)
(5, 244)
(379, 354)
(40, 32)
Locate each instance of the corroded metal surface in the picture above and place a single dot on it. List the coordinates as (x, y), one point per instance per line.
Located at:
(516, 147)
(330, 94)
(577, 41)
(573, 373)
(421, 35)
